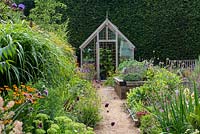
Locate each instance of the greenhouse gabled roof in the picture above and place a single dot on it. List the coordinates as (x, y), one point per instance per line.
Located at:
(93, 35)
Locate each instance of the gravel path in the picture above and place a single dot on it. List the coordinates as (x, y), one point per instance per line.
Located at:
(115, 118)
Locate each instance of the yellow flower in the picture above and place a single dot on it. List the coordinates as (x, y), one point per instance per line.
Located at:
(186, 91)
(23, 86)
(192, 95)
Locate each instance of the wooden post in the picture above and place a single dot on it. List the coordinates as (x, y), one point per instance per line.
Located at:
(116, 43)
(106, 31)
(97, 57)
(81, 57)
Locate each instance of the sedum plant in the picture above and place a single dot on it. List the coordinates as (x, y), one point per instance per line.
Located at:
(59, 125)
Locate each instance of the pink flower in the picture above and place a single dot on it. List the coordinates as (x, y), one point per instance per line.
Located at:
(9, 115)
(1, 126)
(10, 104)
(1, 102)
(17, 127)
(161, 110)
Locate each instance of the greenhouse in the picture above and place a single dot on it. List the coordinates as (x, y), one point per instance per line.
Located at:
(106, 46)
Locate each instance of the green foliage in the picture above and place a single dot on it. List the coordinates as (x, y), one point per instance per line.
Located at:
(15, 56)
(195, 75)
(82, 103)
(138, 95)
(149, 125)
(176, 110)
(160, 82)
(180, 112)
(132, 70)
(106, 63)
(59, 125)
(9, 13)
(47, 14)
(45, 59)
(110, 81)
(132, 77)
(27, 55)
(87, 71)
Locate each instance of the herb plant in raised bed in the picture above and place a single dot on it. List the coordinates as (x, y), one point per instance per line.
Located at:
(132, 70)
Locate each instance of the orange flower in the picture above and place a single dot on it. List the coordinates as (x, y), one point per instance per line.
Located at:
(16, 89)
(14, 86)
(7, 121)
(7, 88)
(28, 88)
(19, 101)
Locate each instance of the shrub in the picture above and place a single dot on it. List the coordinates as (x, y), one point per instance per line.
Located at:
(51, 19)
(59, 125)
(161, 81)
(131, 70)
(27, 55)
(87, 71)
(82, 103)
(178, 112)
(149, 125)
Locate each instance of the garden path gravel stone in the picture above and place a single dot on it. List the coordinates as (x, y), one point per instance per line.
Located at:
(115, 118)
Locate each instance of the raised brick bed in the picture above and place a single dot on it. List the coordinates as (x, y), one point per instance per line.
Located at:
(122, 87)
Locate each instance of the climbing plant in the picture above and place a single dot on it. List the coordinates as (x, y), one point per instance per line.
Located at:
(106, 63)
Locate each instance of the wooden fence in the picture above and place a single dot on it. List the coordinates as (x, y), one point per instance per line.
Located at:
(187, 64)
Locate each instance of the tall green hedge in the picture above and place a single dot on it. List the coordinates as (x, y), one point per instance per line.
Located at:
(170, 28)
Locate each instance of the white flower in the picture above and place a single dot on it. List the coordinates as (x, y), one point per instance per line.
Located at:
(17, 127)
(177, 92)
(9, 115)
(1, 126)
(1, 102)
(10, 104)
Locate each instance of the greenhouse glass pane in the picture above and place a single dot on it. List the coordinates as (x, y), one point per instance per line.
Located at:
(102, 34)
(111, 35)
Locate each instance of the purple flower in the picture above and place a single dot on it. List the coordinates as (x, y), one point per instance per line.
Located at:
(177, 92)
(14, 5)
(21, 7)
(40, 125)
(39, 94)
(167, 129)
(161, 110)
(46, 92)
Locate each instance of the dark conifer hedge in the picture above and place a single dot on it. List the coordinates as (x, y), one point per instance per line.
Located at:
(171, 28)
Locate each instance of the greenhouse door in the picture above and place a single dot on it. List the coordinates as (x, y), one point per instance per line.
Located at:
(107, 58)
